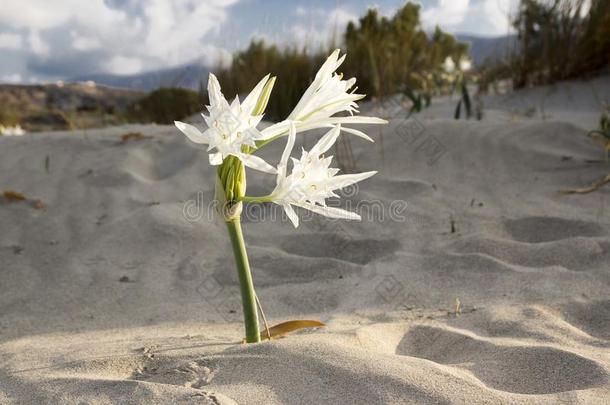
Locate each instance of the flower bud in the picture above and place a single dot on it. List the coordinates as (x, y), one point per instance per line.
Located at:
(261, 104)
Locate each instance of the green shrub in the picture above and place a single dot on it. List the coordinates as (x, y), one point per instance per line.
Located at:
(558, 41)
(164, 106)
(295, 70)
(386, 53)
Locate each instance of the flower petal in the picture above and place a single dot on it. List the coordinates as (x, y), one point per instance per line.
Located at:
(255, 162)
(345, 180)
(250, 101)
(281, 168)
(278, 129)
(330, 212)
(328, 122)
(214, 93)
(192, 133)
(215, 158)
(281, 128)
(356, 120)
(294, 218)
(326, 142)
(323, 75)
(358, 133)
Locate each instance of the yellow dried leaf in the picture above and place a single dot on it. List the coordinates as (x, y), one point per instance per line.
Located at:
(284, 328)
(11, 195)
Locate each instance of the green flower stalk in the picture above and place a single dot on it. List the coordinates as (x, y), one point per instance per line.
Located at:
(230, 189)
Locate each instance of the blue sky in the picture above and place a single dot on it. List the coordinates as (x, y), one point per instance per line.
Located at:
(42, 40)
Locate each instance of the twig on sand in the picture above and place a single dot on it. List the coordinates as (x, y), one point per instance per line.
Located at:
(15, 196)
(594, 187)
(11, 195)
(136, 136)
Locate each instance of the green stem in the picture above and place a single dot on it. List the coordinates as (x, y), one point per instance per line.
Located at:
(248, 297)
(260, 144)
(248, 199)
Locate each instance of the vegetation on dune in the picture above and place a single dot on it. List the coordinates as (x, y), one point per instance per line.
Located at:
(557, 40)
(294, 66)
(560, 40)
(63, 106)
(387, 55)
(164, 106)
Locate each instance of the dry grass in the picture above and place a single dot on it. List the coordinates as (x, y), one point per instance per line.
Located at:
(560, 40)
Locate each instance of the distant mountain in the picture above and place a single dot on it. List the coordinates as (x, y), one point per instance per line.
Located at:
(187, 76)
(494, 49)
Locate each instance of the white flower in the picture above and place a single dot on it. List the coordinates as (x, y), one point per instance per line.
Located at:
(311, 180)
(327, 95)
(449, 65)
(465, 64)
(231, 127)
(11, 131)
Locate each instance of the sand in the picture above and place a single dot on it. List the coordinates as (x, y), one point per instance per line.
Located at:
(471, 279)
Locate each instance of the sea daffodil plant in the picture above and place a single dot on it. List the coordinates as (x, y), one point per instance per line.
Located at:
(233, 139)
(456, 73)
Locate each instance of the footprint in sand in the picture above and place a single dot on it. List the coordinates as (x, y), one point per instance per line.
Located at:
(193, 374)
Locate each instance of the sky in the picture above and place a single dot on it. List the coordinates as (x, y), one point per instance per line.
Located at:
(42, 40)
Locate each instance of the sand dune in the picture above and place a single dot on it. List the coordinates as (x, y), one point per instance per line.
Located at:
(471, 279)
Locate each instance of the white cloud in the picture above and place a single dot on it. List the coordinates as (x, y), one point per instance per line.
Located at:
(37, 45)
(316, 26)
(64, 38)
(489, 17)
(83, 43)
(41, 14)
(123, 65)
(10, 41)
(147, 34)
(12, 78)
(447, 14)
(175, 31)
(340, 17)
(498, 15)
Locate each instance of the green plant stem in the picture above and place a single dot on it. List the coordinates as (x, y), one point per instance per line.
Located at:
(260, 144)
(248, 297)
(248, 199)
